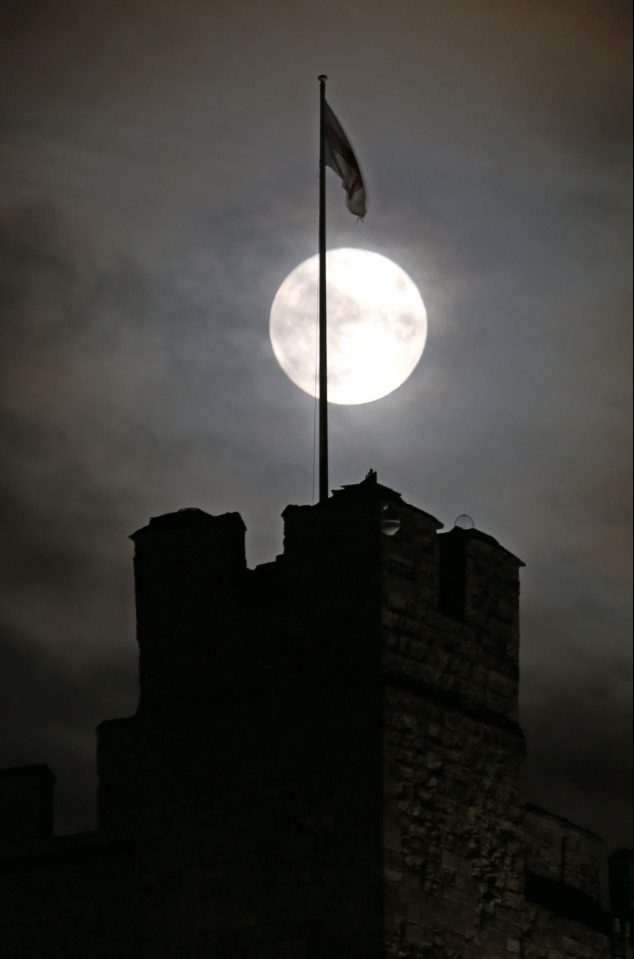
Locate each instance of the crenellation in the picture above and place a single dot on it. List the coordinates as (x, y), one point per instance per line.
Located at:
(325, 762)
(562, 851)
(26, 808)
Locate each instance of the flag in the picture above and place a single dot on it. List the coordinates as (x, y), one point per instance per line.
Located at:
(339, 156)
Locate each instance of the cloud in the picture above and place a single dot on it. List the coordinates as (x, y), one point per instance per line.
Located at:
(159, 182)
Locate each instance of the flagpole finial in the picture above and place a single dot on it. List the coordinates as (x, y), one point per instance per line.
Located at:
(322, 77)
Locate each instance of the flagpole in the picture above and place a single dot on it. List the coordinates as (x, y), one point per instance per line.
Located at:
(323, 352)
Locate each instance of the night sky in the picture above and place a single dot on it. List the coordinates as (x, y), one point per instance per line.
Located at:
(158, 178)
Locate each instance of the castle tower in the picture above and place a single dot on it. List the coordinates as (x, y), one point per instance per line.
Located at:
(335, 711)
(325, 761)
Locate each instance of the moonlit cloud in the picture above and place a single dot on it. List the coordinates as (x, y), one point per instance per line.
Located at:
(159, 181)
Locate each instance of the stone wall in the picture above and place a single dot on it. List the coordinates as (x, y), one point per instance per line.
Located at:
(559, 850)
(453, 753)
(26, 808)
(250, 776)
(325, 762)
(453, 832)
(72, 899)
(551, 935)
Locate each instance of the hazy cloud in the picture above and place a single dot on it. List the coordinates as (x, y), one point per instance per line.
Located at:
(159, 182)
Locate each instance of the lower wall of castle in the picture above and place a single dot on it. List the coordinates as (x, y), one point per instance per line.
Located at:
(454, 885)
(455, 841)
(71, 899)
(550, 936)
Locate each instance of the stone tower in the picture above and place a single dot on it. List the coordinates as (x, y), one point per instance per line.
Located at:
(326, 761)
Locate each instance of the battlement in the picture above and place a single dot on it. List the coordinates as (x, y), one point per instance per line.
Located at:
(325, 759)
(26, 808)
(563, 852)
(188, 569)
(364, 549)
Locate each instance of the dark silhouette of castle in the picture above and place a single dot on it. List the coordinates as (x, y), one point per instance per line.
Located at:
(325, 762)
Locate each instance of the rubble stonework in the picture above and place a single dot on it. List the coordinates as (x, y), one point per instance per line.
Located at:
(325, 762)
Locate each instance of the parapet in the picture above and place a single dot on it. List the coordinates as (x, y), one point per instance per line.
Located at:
(26, 808)
(560, 851)
(478, 577)
(358, 519)
(620, 865)
(179, 556)
(189, 568)
(480, 588)
(190, 530)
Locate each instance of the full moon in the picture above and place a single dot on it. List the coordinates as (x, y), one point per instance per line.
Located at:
(377, 326)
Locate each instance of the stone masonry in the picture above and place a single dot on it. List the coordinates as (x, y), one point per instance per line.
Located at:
(325, 763)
